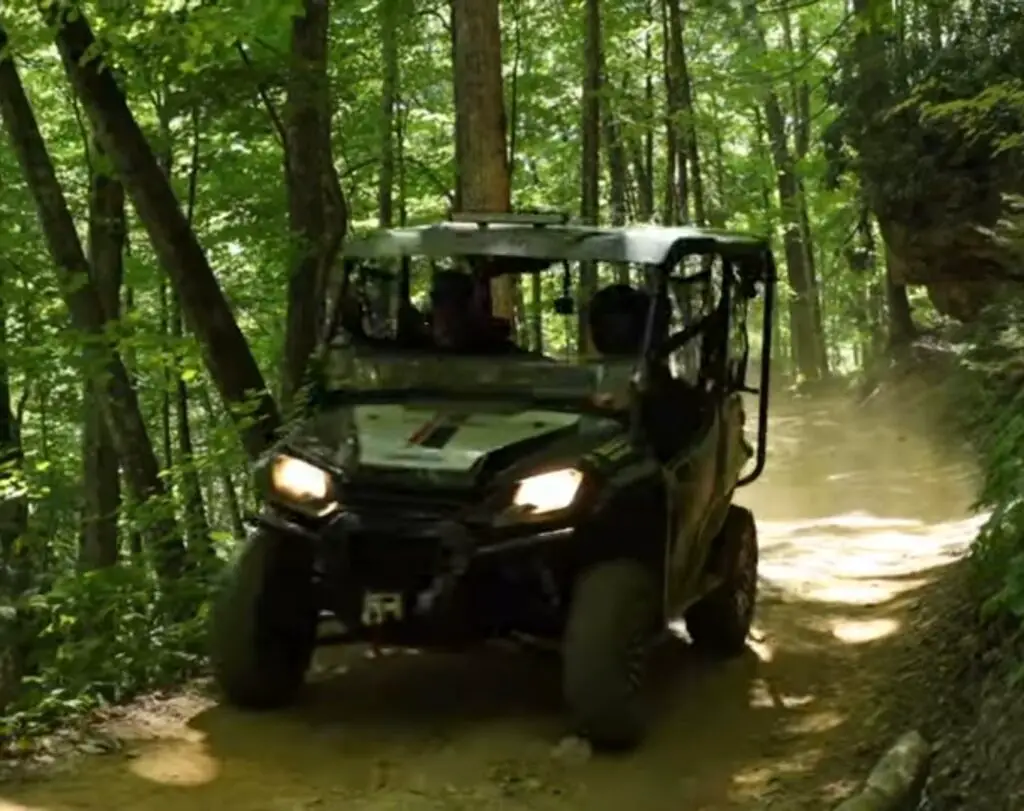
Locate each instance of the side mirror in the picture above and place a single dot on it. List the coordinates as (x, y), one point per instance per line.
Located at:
(564, 305)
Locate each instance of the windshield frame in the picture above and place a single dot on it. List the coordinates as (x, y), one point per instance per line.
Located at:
(592, 398)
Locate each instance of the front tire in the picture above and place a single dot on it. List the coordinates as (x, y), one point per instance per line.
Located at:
(613, 619)
(263, 624)
(720, 623)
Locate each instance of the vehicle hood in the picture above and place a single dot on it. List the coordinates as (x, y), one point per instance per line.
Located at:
(398, 436)
(450, 444)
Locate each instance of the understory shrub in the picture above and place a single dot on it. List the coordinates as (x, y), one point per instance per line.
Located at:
(987, 393)
(93, 638)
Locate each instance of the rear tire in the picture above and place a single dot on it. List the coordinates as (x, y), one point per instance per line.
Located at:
(720, 623)
(614, 616)
(263, 624)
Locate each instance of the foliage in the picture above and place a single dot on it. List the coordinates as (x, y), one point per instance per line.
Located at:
(210, 77)
(99, 637)
(988, 399)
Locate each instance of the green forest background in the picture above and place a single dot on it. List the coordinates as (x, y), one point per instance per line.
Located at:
(149, 343)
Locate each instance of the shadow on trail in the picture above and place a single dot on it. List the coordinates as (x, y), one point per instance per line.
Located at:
(856, 519)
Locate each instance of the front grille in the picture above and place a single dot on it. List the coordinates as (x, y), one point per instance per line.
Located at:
(425, 504)
(387, 560)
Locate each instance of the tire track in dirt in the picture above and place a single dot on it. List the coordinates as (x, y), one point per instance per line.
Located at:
(855, 517)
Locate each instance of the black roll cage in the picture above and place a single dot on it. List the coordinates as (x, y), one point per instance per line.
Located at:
(742, 268)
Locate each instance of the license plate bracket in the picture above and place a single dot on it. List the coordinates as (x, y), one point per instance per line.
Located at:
(382, 607)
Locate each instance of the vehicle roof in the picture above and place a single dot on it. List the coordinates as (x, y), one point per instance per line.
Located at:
(641, 244)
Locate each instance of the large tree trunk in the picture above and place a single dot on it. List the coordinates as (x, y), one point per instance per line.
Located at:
(483, 178)
(317, 214)
(100, 463)
(226, 352)
(117, 398)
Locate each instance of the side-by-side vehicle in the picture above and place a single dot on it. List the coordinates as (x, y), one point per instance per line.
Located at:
(437, 497)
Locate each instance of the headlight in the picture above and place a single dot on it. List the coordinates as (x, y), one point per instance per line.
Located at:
(548, 492)
(302, 484)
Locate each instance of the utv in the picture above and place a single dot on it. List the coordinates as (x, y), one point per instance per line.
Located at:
(437, 499)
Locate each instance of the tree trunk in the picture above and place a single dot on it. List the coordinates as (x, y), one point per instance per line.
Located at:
(197, 525)
(15, 556)
(483, 178)
(317, 213)
(642, 148)
(403, 186)
(590, 160)
(227, 484)
(618, 173)
(168, 377)
(101, 477)
(808, 340)
(687, 124)
(805, 314)
(459, 135)
(131, 365)
(902, 329)
(537, 312)
(719, 217)
(168, 367)
(226, 352)
(116, 396)
(389, 56)
(801, 93)
(513, 107)
(676, 201)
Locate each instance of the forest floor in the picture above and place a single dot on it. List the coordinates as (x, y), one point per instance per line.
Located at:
(863, 518)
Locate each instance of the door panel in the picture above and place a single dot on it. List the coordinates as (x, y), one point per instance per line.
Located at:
(693, 479)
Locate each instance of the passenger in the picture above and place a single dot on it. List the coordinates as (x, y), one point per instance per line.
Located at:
(618, 320)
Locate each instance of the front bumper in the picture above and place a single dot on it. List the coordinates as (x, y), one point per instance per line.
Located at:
(431, 566)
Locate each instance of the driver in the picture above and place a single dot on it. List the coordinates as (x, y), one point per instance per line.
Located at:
(451, 305)
(456, 322)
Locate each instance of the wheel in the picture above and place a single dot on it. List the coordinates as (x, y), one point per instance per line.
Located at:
(263, 624)
(720, 622)
(613, 618)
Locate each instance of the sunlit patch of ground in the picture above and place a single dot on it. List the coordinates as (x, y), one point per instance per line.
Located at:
(859, 558)
(176, 763)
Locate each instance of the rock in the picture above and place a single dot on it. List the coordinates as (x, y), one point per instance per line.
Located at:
(896, 782)
(572, 751)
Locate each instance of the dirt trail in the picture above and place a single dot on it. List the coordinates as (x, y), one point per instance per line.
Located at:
(854, 516)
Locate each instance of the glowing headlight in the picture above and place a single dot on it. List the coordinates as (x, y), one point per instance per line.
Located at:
(547, 492)
(301, 482)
